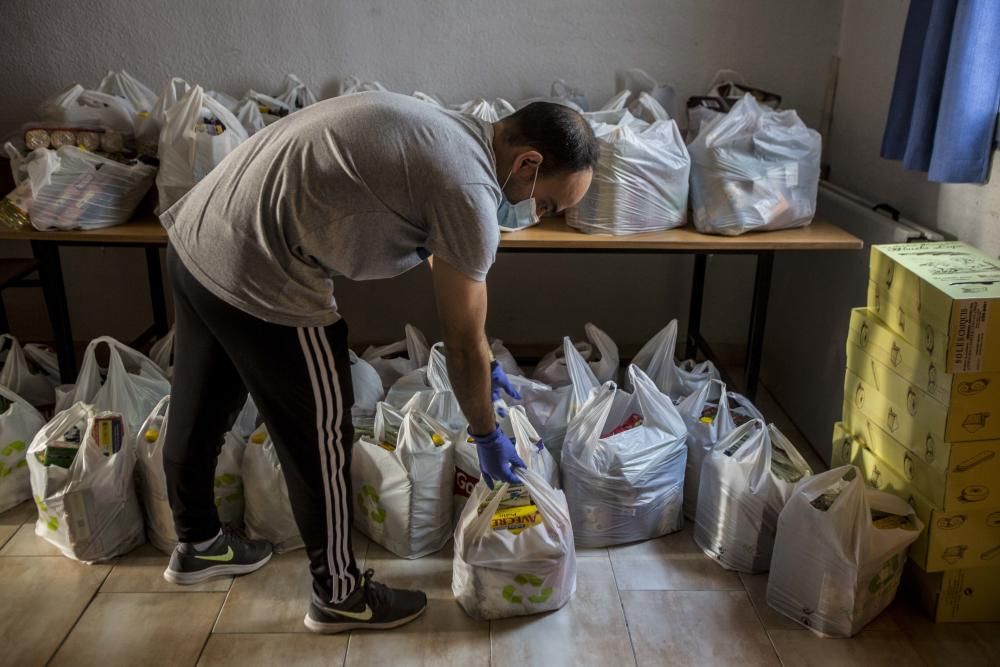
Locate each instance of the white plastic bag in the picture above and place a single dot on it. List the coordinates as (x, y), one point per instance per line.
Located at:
(124, 85)
(189, 148)
(393, 361)
(367, 387)
(637, 81)
(162, 354)
(147, 131)
(248, 113)
(640, 180)
(503, 357)
(36, 385)
(488, 111)
(709, 418)
(561, 93)
(402, 483)
(88, 511)
(623, 465)
(267, 510)
(600, 352)
(19, 422)
(678, 381)
(90, 108)
(839, 552)
(88, 191)
(754, 169)
(745, 481)
(132, 385)
(529, 445)
(149, 443)
(428, 390)
(271, 108)
(353, 84)
(296, 94)
(499, 572)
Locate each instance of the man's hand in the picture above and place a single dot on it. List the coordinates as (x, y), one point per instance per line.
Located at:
(496, 457)
(499, 384)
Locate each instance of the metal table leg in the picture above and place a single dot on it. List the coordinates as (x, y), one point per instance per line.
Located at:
(156, 295)
(50, 273)
(694, 312)
(758, 317)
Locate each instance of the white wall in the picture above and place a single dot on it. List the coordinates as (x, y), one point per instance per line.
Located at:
(870, 36)
(459, 50)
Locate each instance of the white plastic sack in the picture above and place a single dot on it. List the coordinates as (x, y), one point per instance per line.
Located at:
(754, 169)
(835, 565)
(19, 423)
(88, 511)
(745, 482)
(88, 191)
(353, 84)
(393, 361)
(430, 98)
(600, 352)
(147, 131)
(676, 380)
(187, 150)
(708, 419)
(149, 444)
(488, 111)
(225, 99)
(267, 510)
(402, 482)
(640, 180)
(28, 372)
(124, 85)
(132, 386)
(498, 572)
(296, 94)
(428, 390)
(248, 113)
(503, 356)
(637, 81)
(623, 465)
(271, 108)
(367, 387)
(90, 108)
(529, 445)
(561, 93)
(162, 354)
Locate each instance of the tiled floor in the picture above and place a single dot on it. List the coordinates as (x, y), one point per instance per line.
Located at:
(657, 603)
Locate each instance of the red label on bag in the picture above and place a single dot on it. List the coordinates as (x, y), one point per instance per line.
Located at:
(464, 482)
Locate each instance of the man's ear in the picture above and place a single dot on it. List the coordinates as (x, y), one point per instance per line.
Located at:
(529, 160)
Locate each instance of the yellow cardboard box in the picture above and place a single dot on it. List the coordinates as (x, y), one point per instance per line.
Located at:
(886, 346)
(957, 477)
(924, 336)
(951, 540)
(970, 419)
(950, 287)
(962, 596)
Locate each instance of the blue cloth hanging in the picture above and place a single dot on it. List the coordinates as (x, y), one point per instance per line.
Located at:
(943, 111)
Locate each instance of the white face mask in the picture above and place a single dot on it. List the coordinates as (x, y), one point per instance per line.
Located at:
(521, 215)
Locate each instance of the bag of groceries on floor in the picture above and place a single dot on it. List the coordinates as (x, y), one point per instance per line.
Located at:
(267, 511)
(599, 351)
(31, 372)
(19, 422)
(162, 354)
(676, 380)
(745, 481)
(367, 393)
(640, 180)
(402, 483)
(709, 414)
(197, 133)
(353, 84)
(514, 550)
(839, 552)
(623, 465)
(81, 465)
(754, 169)
(296, 94)
(395, 360)
(131, 385)
(504, 357)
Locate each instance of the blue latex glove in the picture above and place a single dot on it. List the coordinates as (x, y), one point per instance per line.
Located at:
(496, 457)
(499, 382)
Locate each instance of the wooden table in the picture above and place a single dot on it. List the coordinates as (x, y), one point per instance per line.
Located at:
(552, 236)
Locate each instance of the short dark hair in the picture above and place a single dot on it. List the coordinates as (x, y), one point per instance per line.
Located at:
(559, 133)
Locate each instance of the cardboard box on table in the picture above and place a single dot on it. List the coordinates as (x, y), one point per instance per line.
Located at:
(943, 298)
(969, 538)
(960, 391)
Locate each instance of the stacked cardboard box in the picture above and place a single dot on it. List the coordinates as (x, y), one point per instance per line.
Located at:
(922, 414)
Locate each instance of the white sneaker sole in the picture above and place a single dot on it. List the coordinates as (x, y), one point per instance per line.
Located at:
(334, 628)
(189, 578)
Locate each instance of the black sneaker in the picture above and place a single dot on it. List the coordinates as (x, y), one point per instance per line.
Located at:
(230, 554)
(373, 606)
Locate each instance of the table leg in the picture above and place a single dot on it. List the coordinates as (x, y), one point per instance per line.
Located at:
(156, 295)
(694, 312)
(758, 318)
(54, 289)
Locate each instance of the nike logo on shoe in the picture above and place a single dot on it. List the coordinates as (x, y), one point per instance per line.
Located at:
(224, 558)
(365, 615)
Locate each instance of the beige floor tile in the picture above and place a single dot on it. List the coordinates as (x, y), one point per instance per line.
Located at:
(696, 628)
(266, 650)
(989, 636)
(756, 585)
(6, 532)
(591, 552)
(875, 646)
(590, 630)
(275, 598)
(672, 562)
(18, 514)
(25, 543)
(141, 571)
(41, 599)
(148, 629)
(444, 635)
(943, 644)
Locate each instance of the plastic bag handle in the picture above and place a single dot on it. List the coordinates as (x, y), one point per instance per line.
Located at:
(9, 394)
(437, 369)
(731, 74)
(525, 436)
(655, 405)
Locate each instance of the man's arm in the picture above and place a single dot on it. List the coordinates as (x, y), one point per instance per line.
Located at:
(461, 304)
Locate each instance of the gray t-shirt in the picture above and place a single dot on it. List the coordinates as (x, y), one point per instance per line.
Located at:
(364, 186)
